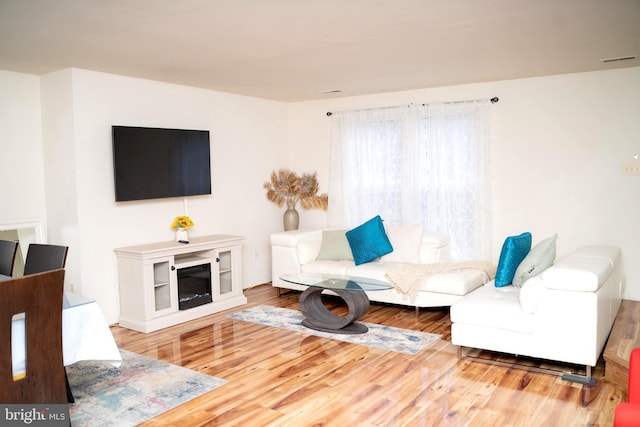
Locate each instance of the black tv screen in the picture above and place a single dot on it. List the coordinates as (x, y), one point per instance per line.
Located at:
(154, 163)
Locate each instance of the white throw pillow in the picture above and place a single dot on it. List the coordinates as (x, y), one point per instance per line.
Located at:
(406, 241)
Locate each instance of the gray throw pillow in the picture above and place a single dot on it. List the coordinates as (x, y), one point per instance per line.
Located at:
(335, 246)
(537, 260)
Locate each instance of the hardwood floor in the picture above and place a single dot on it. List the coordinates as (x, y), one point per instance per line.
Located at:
(280, 378)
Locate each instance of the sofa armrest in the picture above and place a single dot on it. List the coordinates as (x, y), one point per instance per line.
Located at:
(292, 238)
(284, 251)
(434, 248)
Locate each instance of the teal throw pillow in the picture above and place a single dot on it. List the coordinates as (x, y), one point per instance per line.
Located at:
(537, 260)
(514, 250)
(369, 241)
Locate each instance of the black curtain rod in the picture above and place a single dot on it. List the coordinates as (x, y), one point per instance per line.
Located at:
(493, 101)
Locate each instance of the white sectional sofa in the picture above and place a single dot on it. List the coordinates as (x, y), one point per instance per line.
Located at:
(297, 252)
(564, 314)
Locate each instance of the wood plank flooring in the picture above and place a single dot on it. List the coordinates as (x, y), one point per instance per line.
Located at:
(281, 378)
(625, 336)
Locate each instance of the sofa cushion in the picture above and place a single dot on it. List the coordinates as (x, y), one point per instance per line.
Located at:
(372, 270)
(454, 283)
(582, 270)
(335, 246)
(493, 307)
(537, 260)
(327, 267)
(406, 241)
(369, 241)
(611, 253)
(514, 250)
(459, 282)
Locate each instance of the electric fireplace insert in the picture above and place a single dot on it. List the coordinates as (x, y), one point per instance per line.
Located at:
(194, 286)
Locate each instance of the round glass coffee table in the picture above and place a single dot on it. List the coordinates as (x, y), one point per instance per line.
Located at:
(350, 289)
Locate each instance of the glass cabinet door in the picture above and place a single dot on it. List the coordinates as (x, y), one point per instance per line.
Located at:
(161, 288)
(163, 298)
(225, 276)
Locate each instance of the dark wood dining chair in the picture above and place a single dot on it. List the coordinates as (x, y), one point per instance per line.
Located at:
(41, 257)
(8, 249)
(39, 297)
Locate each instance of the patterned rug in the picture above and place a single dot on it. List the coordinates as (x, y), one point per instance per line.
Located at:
(139, 389)
(379, 336)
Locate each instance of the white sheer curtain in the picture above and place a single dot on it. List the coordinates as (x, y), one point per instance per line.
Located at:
(425, 164)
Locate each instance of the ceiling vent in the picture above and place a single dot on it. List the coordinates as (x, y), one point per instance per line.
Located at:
(620, 58)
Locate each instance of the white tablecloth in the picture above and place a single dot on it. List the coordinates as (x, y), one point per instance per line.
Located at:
(85, 335)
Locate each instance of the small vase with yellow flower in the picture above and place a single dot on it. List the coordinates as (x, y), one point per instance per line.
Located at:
(181, 225)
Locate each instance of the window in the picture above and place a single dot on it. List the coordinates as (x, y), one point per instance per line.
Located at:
(425, 164)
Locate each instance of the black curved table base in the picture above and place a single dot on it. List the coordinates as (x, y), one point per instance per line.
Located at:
(318, 317)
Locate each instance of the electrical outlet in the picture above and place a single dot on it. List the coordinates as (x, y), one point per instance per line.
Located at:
(631, 168)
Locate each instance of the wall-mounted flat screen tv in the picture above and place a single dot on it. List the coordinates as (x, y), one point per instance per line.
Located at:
(154, 163)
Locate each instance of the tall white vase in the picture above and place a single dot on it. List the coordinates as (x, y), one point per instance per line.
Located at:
(291, 218)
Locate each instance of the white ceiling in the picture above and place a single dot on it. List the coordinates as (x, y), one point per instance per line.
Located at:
(293, 50)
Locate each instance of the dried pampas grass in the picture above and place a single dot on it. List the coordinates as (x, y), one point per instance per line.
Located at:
(287, 187)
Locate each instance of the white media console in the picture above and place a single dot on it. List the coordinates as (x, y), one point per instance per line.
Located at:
(166, 283)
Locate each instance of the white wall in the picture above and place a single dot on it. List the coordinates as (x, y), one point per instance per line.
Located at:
(21, 174)
(559, 145)
(248, 137)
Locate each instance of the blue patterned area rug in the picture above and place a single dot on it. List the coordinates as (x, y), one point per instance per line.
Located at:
(139, 389)
(379, 336)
